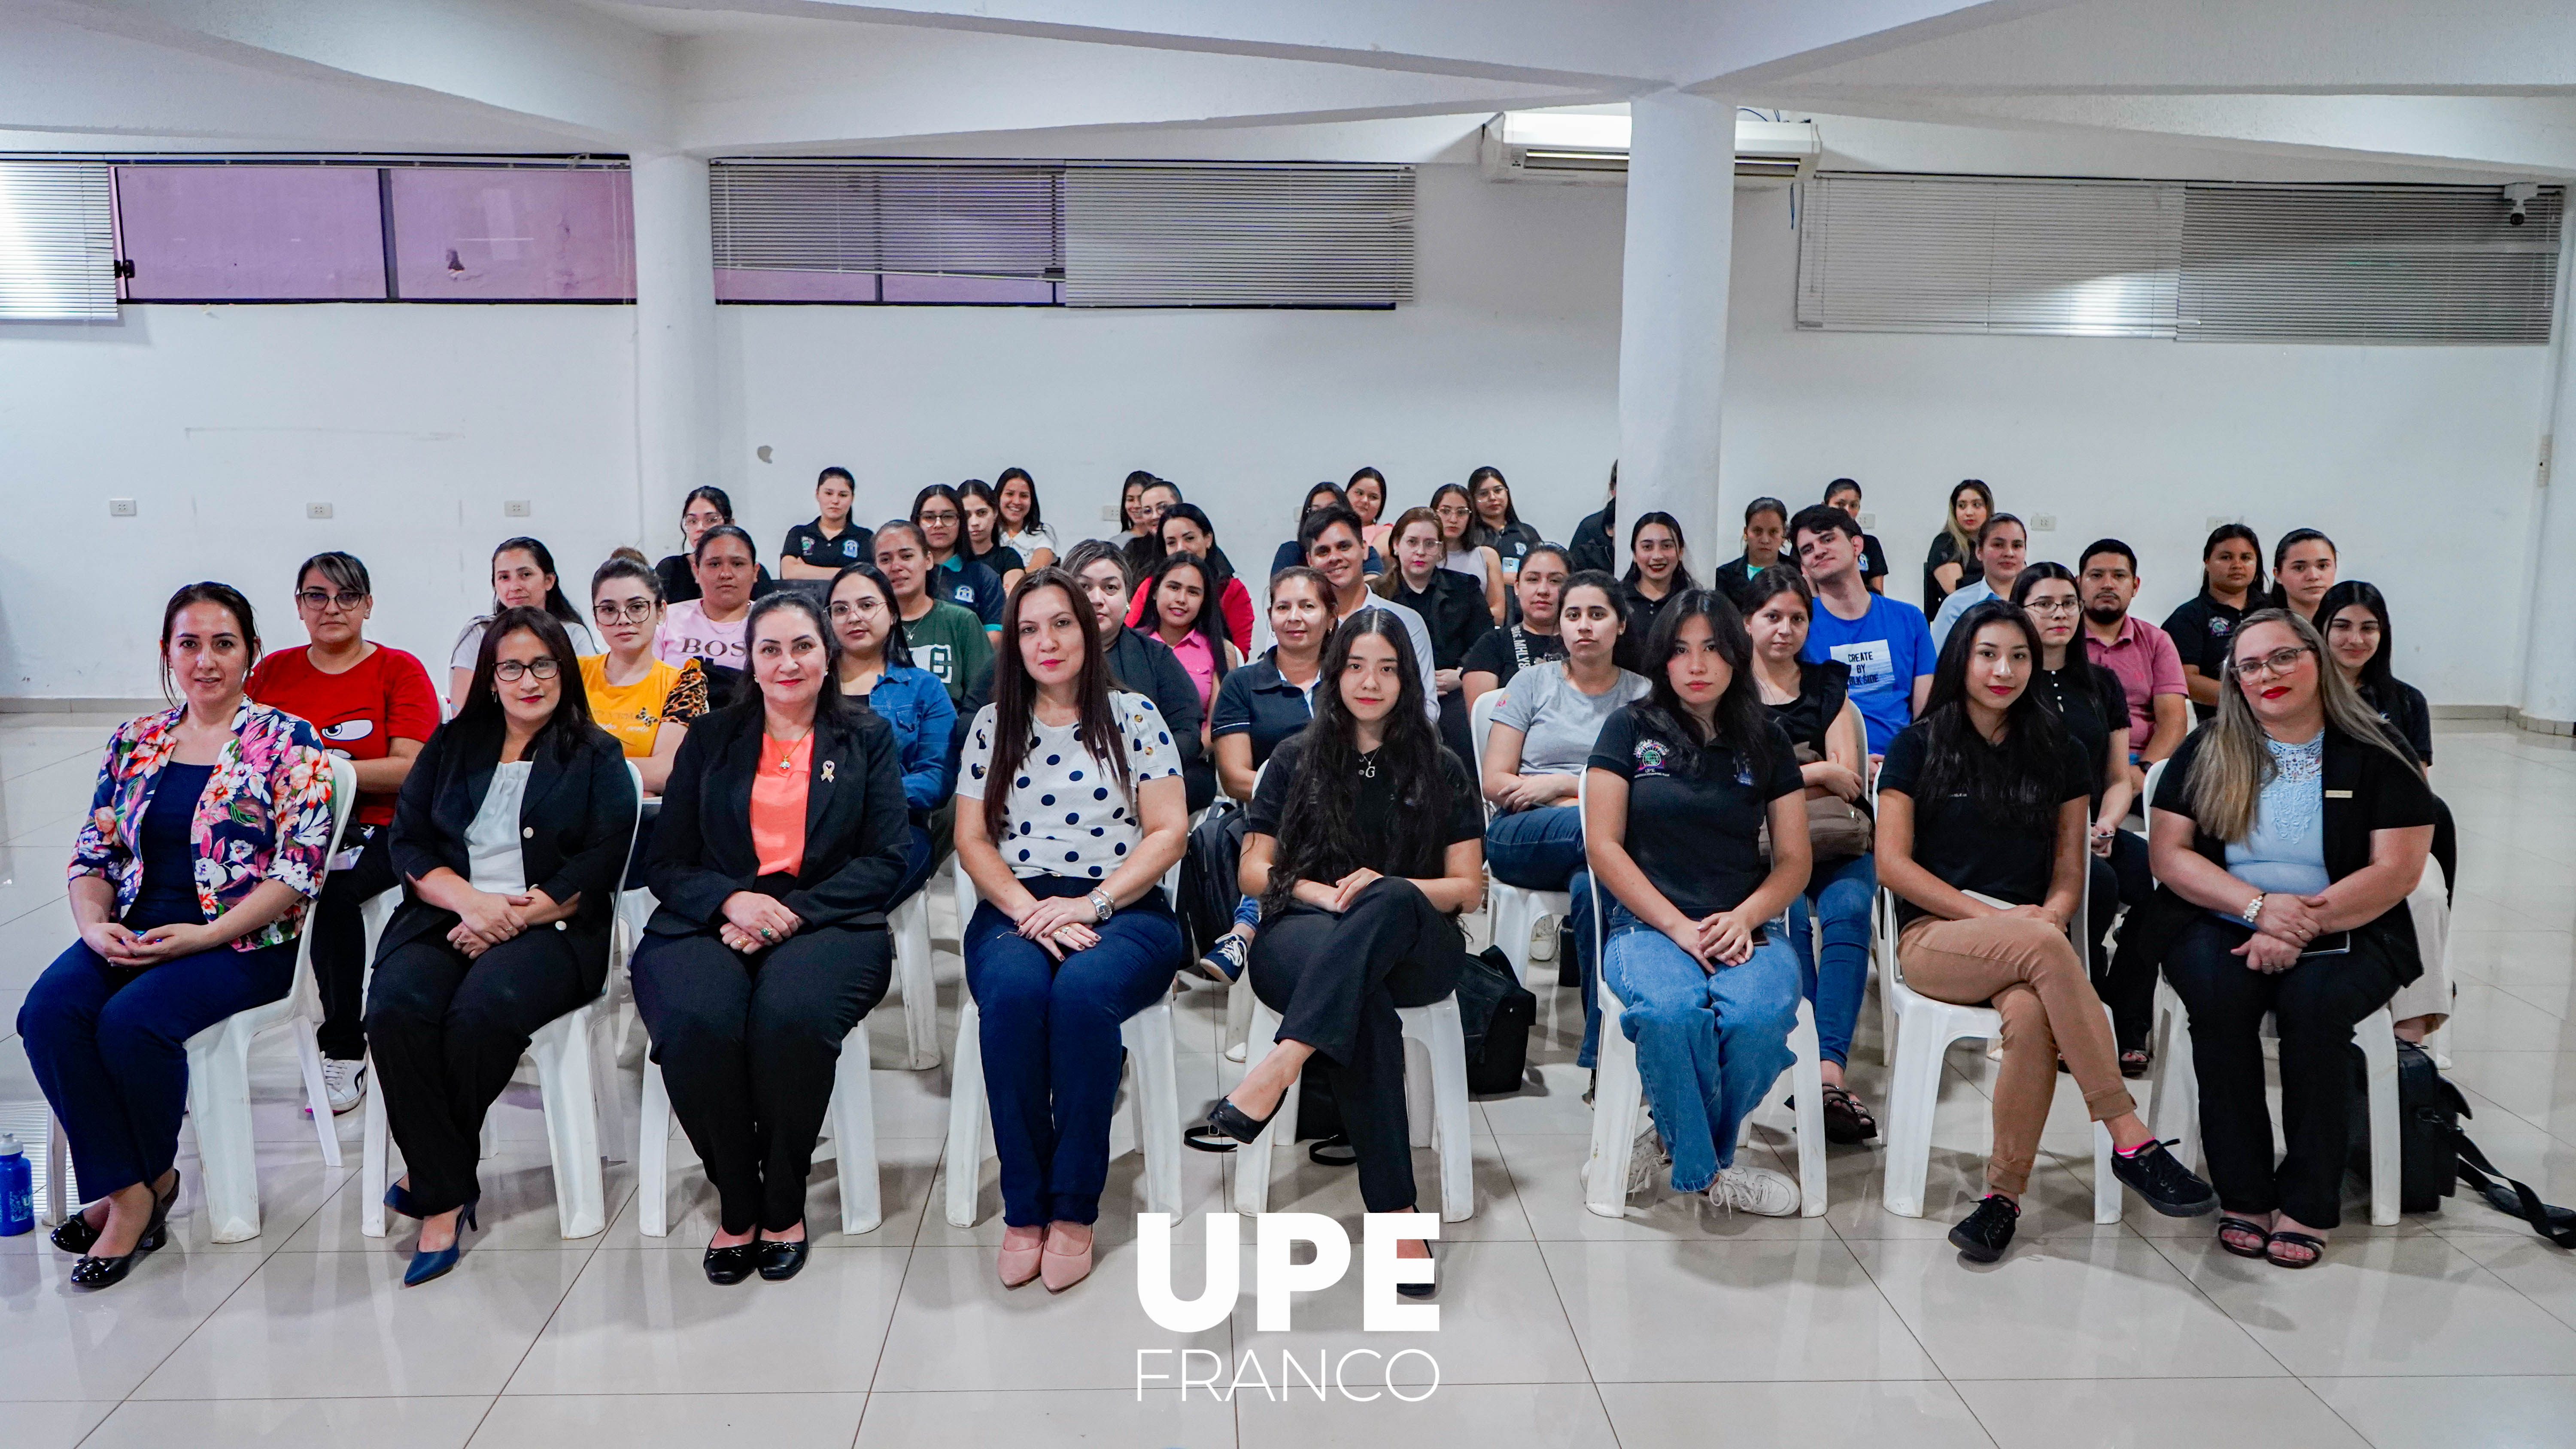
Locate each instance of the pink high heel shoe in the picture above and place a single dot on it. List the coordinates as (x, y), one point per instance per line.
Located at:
(1063, 1267)
(1021, 1248)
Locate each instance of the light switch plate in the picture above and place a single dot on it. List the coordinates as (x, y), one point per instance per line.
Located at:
(515, 508)
(120, 508)
(317, 510)
(2043, 523)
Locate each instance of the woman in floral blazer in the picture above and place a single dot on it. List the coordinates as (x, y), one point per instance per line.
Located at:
(204, 844)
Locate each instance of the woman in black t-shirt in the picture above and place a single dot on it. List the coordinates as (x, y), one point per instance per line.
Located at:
(2089, 701)
(1810, 701)
(1538, 592)
(1364, 842)
(1453, 612)
(1982, 807)
(1677, 792)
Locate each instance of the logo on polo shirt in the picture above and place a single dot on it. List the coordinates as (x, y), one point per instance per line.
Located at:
(2220, 627)
(849, 548)
(1651, 757)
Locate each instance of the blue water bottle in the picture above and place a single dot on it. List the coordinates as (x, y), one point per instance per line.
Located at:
(17, 1190)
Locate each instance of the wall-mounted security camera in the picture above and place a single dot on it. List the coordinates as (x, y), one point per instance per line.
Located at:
(2518, 198)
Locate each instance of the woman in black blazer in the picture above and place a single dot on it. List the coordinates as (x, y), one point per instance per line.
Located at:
(510, 835)
(783, 836)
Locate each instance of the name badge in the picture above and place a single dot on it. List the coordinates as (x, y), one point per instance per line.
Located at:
(2338, 794)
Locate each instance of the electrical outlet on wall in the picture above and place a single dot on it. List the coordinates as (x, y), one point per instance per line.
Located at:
(1109, 513)
(2219, 520)
(317, 510)
(1869, 520)
(515, 508)
(2043, 523)
(120, 508)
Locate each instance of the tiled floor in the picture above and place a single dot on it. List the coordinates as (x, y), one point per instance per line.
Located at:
(1675, 1326)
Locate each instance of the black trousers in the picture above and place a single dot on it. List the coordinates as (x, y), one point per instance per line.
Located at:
(2124, 979)
(2314, 1006)
(447, 1033)
(340, 942)
(1336, 982)
(748, 1046)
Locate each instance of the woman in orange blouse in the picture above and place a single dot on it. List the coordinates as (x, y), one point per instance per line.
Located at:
(783, 836)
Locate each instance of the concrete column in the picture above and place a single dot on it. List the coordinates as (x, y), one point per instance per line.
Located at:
(675, 339)
(2548, 636)
(1672, 317)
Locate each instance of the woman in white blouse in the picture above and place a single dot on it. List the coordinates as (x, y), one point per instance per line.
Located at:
(1070, 809)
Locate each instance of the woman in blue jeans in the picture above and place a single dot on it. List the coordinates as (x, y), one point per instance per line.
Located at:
(1681, 784)
(1810, 701)
(1534, 756)
(1070, 808)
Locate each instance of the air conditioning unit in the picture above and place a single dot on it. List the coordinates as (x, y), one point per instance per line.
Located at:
(1579, 148)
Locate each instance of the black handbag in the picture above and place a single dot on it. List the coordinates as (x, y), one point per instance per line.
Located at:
(2435, 1156)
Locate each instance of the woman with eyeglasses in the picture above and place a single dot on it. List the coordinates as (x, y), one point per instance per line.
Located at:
(374, 706)
(512, 839)
(2297, 826)
(1022, 529)
(1452, 609)
(1455, 512)
(703, 509)
(206, 835)
(876, 667)
(939, 517)
(784, 836)
(629, 691)
(523, 577)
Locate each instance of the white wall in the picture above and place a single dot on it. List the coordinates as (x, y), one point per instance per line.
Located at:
(416, 422)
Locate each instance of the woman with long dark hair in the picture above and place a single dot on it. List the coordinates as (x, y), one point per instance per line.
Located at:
(1983, 806)
(939, 519)
(186, 916)
(1452, 608)
(1184, 528)
(1952, 560)
(2303, 568)
(1497, 524)
(980, 540)
(1366, 494)
(1070, 808)
(2231, 584)
(1182, 613)
(783, 838)
(2297, 826)
(1766, 542)
(1146, 549)
(523, 577)
(1363, 844)
(813, 550)
(511, 838)
(876, 666)
(703, 509)
(1016, 494)
(1680, 787)
(1810, 700)
(1658, 569)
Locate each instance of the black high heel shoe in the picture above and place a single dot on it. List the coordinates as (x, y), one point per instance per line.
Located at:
(95, 1272)
(75, 1234)
(1229, 1126)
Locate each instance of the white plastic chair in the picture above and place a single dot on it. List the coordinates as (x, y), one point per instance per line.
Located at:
(850, 1126)
(1511, 912)
(1152, 1087)
(910, 925)
(1620, 1090)
(1435, 1089)
(568, 1063)
(1914, 1086)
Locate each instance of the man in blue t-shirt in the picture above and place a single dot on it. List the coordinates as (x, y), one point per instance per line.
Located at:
(1883, 641)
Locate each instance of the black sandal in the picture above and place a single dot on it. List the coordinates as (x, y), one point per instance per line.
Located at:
(1846, 1120)
(2315, 1245)
(2261, 1235)
(1333, 1151)
(2133, 1063)
(1227, 1127)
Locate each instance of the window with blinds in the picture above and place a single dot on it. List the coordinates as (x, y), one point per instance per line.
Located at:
(1074, 233)
(2188, 260)
(57, 242)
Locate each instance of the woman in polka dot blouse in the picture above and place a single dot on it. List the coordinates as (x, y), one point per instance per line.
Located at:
(1070, 809)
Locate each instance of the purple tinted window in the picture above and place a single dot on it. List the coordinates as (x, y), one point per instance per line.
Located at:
(990, 291)
(495, 235)
(251, 233)
(750, 284)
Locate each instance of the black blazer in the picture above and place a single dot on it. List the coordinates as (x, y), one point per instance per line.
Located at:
(2366, 789)
(576, 825)
(858, 830)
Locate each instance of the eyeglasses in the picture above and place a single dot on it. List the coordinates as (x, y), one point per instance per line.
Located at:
(1451, 510)
(2279, 661)
(510, 671)
(852, 608)
(2050, 606)
(317, 601)
(609, 612)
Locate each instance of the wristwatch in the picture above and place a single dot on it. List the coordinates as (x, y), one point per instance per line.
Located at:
(1102, 908)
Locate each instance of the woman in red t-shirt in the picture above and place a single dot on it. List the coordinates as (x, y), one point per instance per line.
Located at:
(372, 706)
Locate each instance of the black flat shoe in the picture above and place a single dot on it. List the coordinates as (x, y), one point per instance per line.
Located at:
(2168, 1186)
(1228, 1126)
(1982, 1236)
(1423, 1290)
(779, 1260)
(728, 1266)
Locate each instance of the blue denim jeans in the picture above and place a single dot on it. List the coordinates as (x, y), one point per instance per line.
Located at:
(1838, 893)
(1709, 1044)
(1542, 850)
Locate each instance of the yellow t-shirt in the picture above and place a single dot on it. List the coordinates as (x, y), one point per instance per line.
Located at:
(632, 712)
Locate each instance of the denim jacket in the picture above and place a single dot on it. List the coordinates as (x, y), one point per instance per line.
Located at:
(914, 701)
(265, 814)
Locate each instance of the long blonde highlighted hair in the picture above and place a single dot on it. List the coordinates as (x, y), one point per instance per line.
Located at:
(2234, 765)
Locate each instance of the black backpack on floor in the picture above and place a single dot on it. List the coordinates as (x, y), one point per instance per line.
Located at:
(2435, 1156)
(1498, 1014)
(1209, 892)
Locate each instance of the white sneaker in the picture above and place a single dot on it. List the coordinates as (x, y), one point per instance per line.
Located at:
(1755, 1190)
(343, 1083)
(1647, 1162)
(1543, 938)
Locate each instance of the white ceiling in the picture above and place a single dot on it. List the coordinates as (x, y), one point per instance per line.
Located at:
(2271, 88)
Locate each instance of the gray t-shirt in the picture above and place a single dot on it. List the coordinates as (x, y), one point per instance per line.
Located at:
(1557, 721)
